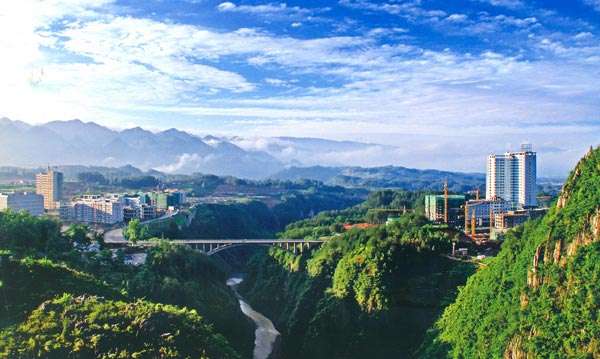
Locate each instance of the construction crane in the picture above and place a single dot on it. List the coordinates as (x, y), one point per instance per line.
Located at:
(467, 217)
(446, 202)
(472, 219)
(476, 191)
(491, 219)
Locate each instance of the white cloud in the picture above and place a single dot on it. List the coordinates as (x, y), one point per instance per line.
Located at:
(119, 69)
(511, 4)
(271, 9)
(457, 18)
(593, 3)
(584, 35)
(185, 163)
(226, 6)
(411, 10)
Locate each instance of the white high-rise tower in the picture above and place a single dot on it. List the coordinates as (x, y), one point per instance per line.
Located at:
(512, 177)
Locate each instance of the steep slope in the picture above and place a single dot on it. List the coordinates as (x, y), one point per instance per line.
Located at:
(93, 327)
(364, 294)
(540, 297)
(26, 283)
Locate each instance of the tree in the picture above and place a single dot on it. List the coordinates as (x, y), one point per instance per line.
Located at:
(78, 233)
(135, 231)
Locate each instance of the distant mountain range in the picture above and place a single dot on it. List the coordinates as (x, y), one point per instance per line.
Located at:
(62, 143)
(387, 177)
(172, 151)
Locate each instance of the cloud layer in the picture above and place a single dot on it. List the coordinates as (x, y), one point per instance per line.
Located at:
(437, 79)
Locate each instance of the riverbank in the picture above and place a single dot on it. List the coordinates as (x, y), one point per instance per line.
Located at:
(266, 335)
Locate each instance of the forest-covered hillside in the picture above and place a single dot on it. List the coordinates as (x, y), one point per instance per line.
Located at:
(364, 293)
(58, 302)
(540, 297)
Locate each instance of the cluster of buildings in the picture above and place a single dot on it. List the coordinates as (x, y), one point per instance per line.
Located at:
(48, 195)
(108, 209)
(114, 208)
(510, 198)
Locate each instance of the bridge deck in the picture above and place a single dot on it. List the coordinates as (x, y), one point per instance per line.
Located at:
(237, 241)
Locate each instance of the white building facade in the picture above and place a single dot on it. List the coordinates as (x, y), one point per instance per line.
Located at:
(512, 177)
(97, 209)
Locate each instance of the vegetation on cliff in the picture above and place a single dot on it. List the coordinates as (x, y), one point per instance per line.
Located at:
(93, 327)
(370, 292)
(38, 264)
(539, 298)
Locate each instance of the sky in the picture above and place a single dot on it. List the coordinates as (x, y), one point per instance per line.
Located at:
(446, 82)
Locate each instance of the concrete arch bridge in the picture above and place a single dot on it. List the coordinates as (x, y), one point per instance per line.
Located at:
(212, 246)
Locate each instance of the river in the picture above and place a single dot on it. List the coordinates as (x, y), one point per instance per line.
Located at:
(265, 334)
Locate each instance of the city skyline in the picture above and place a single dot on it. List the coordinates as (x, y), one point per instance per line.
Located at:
(444, 82)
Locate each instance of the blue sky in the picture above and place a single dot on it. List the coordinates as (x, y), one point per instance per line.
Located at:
(447, 82)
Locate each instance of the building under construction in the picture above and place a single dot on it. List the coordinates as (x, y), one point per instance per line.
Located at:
(481, 211)
(444, 208)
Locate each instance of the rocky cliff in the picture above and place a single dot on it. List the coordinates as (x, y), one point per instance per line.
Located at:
(540, 297)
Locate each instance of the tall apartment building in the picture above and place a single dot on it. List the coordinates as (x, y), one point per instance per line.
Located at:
(49, 185)
(512, 177)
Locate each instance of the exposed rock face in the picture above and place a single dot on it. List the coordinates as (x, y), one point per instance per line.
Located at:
(513, 350)
(540, 298)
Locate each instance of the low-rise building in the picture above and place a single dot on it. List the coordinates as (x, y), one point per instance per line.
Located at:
(482, 209)
(98, 209)
(512, 219)
(30, 202)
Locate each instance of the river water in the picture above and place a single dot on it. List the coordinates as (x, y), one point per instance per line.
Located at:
(265, 334)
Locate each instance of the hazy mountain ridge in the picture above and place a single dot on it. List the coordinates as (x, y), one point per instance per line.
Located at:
(63, 143)
(79, 143)
(386, 177)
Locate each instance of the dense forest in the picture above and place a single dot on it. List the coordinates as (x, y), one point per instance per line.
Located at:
(57, 299)
(256, 219)
(370, 292)
(539, 298)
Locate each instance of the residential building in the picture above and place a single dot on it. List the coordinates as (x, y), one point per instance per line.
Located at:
(136, 208)
(512, 219)
(512, 177)
(148, 212)
(131, 212)
(31, 202)
(168, 199)
(98, 209)
(50, 185)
